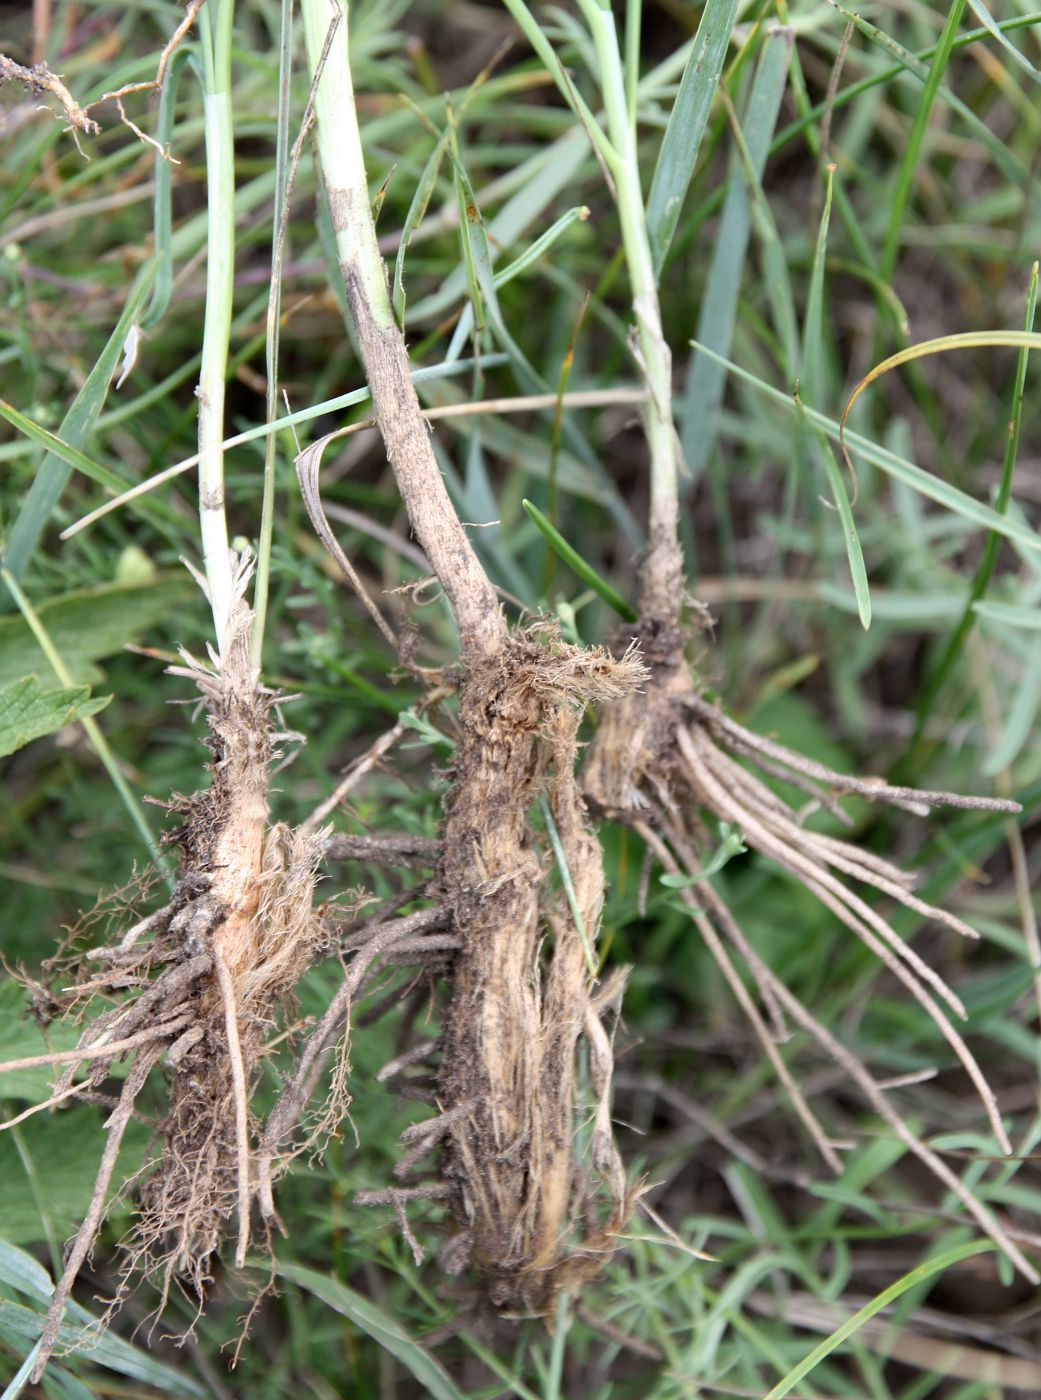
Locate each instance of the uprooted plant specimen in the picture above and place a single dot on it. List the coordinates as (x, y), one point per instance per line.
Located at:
(519, 1150)
(664, 764)
(196, 987)
(661, 761)
(522, 992)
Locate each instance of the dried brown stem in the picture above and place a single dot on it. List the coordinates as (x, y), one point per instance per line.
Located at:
(85, 1235)
(405, 434)
(39, 79)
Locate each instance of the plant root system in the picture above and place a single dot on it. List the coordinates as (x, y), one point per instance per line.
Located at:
(532, 1219)
(659, 763)
(196, 988)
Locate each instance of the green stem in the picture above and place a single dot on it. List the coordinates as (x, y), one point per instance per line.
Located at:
(215, 32)
(661, 578)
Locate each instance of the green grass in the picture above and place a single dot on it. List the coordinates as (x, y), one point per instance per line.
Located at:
(780, 274)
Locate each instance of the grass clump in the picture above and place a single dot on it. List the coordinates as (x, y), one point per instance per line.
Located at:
(601, 947)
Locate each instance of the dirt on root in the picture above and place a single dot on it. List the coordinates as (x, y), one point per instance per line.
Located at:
(531, 1218)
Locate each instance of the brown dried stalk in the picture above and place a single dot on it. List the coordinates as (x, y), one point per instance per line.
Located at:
(39, 79)
(506, 1082)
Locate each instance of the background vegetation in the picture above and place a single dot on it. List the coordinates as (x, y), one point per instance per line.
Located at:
(932, 123)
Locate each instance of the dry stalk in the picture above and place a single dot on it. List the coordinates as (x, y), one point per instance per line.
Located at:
(530, 1218)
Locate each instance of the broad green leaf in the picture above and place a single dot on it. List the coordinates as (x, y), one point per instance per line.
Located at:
(81, 1330)
(682, 140)
(731, 845)
(56, 1175)
(20, 1037)
(90, 624)
(384, 1329)
(21, 1271)
(27, 711)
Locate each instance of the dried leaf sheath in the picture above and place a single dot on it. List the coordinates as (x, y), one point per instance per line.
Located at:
(521, 990)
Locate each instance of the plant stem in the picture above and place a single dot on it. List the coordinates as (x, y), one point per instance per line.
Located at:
(661, 583)
(215, 32)
(282, 180)
(405, 434)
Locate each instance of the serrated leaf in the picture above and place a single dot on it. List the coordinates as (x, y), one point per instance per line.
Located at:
(20, 1037)
(28, 712)
(61, 1150)
(88, 625)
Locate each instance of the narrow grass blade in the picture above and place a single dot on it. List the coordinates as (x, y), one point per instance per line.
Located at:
(964, 340)
(385, 1330)
(894, 465)
(66, 452)
(262, 430)
(854, 552)
(20, 1380)
(76, 426)
(1011, 614)
(162, 203)
(82, 1332)
(987, 20)
(286, 166)
(416, 213)
(577, 564)
(811, 390)
(811, 382)
(532, 31)
(564, 871)
(909, 160)
(682, 141)
(1004, 160)
(922, 1274)
(938, 679)
(811, 117)
(541, 245)
(706, 378)
(477, 244)
(1020, 717)
(775, 264)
